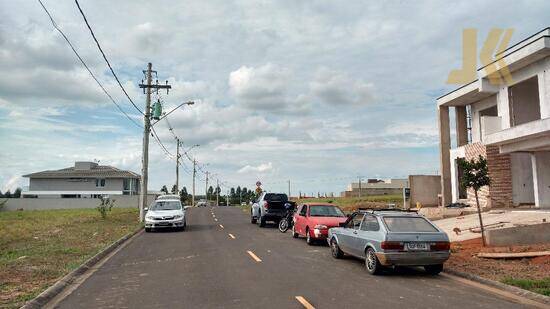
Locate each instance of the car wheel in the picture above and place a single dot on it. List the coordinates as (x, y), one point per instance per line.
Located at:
(337, 253)
(147, 230)
(294, 234)
(261, 221)
(371, 262)
(433, 269)
(252, 218)
(184, 226)
(309, 240)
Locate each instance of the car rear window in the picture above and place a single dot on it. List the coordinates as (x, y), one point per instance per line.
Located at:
(325, 211)
(408, 224)
(276, 197)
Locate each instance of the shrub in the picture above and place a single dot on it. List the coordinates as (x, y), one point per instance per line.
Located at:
(105, 206)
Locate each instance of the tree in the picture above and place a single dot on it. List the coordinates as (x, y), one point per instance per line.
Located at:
(1, 195)
(174, 189)
(475, 175)
(7, 194)
(210, 192)
(183, 195)
(17, 193)
(164, 189)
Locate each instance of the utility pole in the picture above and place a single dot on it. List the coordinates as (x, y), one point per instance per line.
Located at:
(146, 131)
(178, 144)
(359, 186)
(194, 173)
(289, 189)
(206, 187)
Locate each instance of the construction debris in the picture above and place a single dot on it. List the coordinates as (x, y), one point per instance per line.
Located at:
(517, 255)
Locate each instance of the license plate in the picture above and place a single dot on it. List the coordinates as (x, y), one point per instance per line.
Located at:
(417, 246)
(163, 223)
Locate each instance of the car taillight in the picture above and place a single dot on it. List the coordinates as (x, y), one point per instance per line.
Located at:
(391, 245)
(440, 246)
(266, 205)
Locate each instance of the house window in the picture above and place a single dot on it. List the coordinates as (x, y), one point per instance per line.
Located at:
(100, 182)
(524, 102)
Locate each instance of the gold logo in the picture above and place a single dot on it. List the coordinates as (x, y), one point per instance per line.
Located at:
(497, 70)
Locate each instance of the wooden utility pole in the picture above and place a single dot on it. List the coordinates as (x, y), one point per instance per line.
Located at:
(178, 144)
(194, 173)
(146, 131)
(359, 187)
(289, 189)
(206, 194)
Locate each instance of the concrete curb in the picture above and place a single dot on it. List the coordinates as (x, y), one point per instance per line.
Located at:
(43, 298)
(501, 286)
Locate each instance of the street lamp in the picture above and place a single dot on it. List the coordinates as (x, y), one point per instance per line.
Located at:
(166, 114)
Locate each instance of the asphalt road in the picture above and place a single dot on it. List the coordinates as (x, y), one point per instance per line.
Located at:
(205, 267)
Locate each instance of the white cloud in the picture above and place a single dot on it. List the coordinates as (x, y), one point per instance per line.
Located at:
(262, 168)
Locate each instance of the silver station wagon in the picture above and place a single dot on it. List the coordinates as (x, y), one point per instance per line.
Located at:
(391, 238)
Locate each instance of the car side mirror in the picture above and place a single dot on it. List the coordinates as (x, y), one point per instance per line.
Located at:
(186, 207)
(342, 224)
(145, 209)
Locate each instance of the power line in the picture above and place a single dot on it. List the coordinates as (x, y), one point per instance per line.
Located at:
(105, 57)
(85, 65)
(157, 139)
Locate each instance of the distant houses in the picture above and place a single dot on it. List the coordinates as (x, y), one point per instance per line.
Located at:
(83, 180)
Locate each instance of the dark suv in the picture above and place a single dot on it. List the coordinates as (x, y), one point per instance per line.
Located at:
(270, 207)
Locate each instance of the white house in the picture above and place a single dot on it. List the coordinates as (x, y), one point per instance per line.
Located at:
(508, 123)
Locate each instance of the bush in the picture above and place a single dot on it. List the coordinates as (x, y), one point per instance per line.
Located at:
(105, 206)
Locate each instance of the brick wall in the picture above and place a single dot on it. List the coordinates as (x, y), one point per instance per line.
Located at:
(499, 193)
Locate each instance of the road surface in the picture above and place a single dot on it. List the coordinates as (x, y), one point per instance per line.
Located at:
(223, 261)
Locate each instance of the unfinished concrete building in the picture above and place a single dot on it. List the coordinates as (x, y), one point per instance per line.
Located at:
(508, 124)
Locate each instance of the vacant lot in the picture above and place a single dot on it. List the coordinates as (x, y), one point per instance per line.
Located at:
(39, 247)
(349, 204)
(529, 273)
(352, 203)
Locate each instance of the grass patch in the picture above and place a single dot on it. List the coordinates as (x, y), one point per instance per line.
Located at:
(541, 286)
(38, 247)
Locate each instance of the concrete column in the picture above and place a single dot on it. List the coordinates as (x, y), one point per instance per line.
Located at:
(444, 154)
(461, 126)
(544, 93)
(541, 178)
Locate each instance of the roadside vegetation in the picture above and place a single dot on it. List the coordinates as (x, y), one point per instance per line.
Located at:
(541, 286)
(350, 204)
(39, 247)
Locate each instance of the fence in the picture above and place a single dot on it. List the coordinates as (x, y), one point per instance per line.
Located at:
(121, 201)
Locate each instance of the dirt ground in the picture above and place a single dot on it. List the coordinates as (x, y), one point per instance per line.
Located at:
(464, 258)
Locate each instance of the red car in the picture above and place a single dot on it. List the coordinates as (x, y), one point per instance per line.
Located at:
(314, 219)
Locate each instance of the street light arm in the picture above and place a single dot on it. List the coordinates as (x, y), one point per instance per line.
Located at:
(163, 116)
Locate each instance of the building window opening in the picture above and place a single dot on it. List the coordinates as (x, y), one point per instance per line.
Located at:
(100, 183)
(524, 102)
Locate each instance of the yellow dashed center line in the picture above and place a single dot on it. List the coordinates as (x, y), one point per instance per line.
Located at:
(215, 219)
(256, 258)
(231, 235)
(221, 226)
(304, 302)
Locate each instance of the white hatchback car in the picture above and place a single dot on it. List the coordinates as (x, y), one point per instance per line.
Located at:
(165, 213)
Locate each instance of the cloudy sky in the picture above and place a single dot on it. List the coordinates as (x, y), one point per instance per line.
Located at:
(317, 92)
